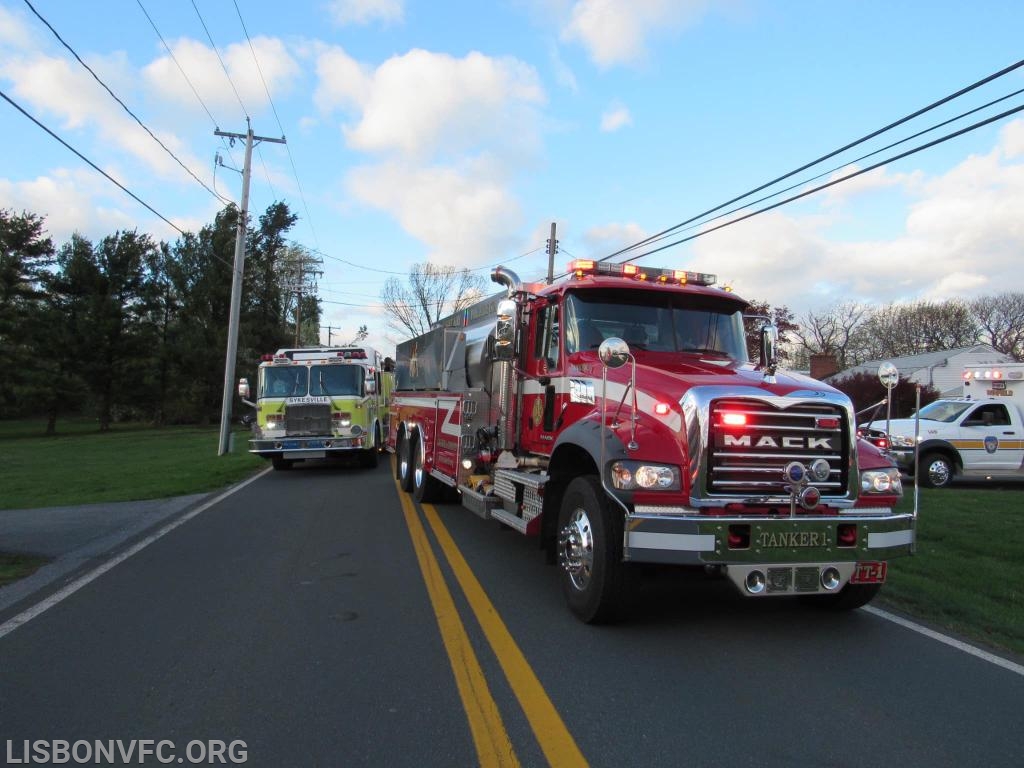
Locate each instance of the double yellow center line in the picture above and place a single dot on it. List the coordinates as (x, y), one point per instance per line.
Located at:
(493, 746)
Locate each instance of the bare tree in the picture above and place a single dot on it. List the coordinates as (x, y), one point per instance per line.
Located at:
(432, 293)
(782, 318)
(832, 331)
(1001, 322)
(896, 330)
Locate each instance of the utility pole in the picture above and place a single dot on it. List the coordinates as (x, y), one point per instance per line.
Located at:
(236, 284)
(552, 250)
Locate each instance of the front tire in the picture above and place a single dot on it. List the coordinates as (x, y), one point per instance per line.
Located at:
(593, 576)
(936, 470)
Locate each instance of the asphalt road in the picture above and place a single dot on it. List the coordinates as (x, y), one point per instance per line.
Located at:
(295, 616)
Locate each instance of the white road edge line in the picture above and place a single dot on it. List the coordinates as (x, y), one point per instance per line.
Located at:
(30, 613)
(999, 661)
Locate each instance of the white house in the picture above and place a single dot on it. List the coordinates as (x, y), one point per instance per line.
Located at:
(942, 370)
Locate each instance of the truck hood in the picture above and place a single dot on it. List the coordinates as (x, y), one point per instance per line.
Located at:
(675, 378)
(903, 427)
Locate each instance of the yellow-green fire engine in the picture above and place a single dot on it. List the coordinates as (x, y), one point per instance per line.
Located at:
(319, 403)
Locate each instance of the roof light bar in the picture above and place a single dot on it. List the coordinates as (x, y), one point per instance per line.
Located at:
(583, 267)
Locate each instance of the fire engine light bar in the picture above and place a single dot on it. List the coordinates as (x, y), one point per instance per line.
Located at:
(583, 267)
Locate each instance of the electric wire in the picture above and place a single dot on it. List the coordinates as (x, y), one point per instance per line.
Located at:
(176, 63)
(124, 106)
(860, 172)
(873, 134)
(752, 203)
(95, 167)
(291, 159)
(221, 60)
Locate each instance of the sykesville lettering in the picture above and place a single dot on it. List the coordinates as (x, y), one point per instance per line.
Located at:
(136, 750)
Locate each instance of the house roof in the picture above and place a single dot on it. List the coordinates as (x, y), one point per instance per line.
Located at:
(913, 363)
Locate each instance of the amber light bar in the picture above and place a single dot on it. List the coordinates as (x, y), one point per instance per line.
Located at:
(582, 267)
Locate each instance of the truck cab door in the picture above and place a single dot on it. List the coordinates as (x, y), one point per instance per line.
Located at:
(544, 387)
(990, 439)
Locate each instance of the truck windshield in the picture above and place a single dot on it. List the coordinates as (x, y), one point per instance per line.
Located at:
(284, 381)
(655, 322)
(944, 410)
(336, 380)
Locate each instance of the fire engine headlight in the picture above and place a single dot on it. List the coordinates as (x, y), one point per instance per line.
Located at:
(881, 481)
(636, 475)
(901, 441)
(275, 422)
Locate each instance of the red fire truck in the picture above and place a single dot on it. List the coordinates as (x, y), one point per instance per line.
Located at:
(615, 415)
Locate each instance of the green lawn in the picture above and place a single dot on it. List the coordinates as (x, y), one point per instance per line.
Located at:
(968, 571)
(84, 466)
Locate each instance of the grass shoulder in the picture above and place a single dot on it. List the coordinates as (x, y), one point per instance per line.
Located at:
(966, 576)
(81, 465)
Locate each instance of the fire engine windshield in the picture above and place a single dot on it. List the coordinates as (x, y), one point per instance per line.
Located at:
(336, 380)
(655, 322)
(289, 381)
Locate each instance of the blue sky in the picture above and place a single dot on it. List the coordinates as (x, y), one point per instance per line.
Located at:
(456, 132)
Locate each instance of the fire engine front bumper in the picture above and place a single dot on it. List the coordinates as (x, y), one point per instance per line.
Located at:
(669, 535)
(305, 447)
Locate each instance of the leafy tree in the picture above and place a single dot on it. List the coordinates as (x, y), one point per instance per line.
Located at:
(263, 325)
(26, 253)
(433, 292)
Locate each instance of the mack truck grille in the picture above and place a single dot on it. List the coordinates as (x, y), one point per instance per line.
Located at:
(751, 442)
(313, 419)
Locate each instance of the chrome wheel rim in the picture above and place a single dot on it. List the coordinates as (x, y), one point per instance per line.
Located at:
(938, 472)
(576, 549)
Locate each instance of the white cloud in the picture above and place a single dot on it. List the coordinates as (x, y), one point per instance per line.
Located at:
(616, 31)
(204, 70)
(615, 117)
(869, 182)
(464, 216)
(14, 32)
(963, 237)
(346, 12)
(423, 103)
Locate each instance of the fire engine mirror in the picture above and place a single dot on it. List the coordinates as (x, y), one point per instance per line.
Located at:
(614, 352)
(243, 389)
(505, 330)
(889, 375)
(769, 348)
(371, 386)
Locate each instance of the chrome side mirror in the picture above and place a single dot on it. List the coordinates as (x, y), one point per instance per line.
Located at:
(769, 350)
(243, 389)
(505, 330)
(614, 352)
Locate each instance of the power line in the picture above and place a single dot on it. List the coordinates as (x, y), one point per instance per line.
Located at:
(832, 170)
(900, 156)
(123, 188)
(123, 105)
(177, 64)
(222, 64)
(291, 160)
(852, 144)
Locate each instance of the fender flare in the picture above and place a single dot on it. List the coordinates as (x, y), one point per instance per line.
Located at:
(942, 446)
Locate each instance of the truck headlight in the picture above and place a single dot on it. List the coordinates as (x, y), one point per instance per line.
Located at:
(638, 475)
(901, 441)
(881, 481)
(275, 422)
